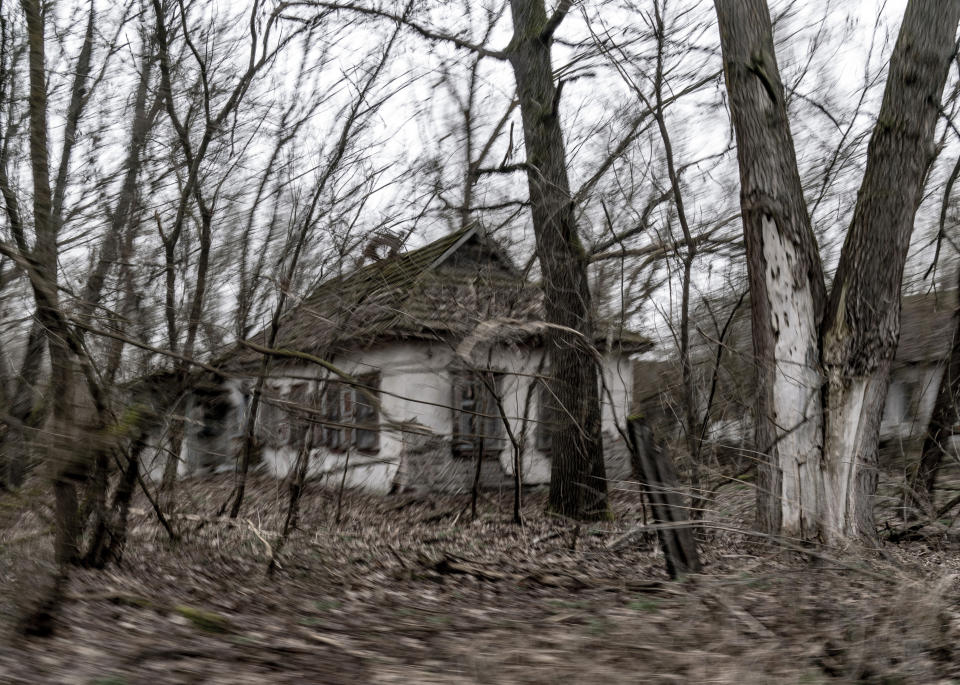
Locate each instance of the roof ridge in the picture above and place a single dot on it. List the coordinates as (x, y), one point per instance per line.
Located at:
(371, 270)
(467, 232)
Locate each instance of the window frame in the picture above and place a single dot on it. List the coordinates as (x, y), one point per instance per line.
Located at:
(546, 417)
(341, 428)
(465, 438)
(297, 397)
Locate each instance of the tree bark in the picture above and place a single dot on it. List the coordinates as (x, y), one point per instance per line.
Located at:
(66, 471)
(578, 486)
(823, 366)
(862, 326)
(785, 274)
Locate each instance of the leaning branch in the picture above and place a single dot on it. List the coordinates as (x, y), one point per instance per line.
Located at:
(424, 31)
(505, 169)
(563, 7)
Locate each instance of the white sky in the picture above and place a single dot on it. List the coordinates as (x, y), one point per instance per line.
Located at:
(420, 120)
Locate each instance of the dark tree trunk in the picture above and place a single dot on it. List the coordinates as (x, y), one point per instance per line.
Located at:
(478, 469)
(121, 502)
(578, 487)
(94, 514)
(109, 535)
(654, 470)
(66, 469)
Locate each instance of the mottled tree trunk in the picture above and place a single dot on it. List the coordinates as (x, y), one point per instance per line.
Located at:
(578, 480)
(823, 366)
(862, 326)
(785, 275)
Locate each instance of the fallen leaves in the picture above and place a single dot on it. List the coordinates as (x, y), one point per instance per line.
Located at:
(404, 591)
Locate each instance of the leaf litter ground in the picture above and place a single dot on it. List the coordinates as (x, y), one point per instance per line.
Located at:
(411, 590)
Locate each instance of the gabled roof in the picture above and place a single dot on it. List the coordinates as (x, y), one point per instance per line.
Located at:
(438, 292)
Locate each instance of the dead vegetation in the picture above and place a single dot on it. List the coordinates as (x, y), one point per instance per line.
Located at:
(413, 590)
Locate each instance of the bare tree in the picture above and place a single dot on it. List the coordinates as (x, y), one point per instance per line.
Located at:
(578, 484)
(213, 111)
(824, 361)
(353, 119)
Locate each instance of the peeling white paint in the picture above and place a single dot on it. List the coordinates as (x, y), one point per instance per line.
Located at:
(796, 385)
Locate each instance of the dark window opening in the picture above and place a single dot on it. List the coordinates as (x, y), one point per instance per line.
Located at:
(351, 415)
(216, 409)
(548, 416)
(477, 424)
(296, 418)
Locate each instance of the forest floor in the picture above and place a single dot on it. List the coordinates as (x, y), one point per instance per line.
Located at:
(408, 590)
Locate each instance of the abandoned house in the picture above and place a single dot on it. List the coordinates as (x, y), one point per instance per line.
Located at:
(927, 326)
(926, 332)
(427, 354)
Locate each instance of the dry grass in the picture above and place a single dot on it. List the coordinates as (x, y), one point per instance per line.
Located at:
(412, 591)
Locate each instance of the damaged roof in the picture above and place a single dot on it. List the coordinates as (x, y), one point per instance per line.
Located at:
(441, 291)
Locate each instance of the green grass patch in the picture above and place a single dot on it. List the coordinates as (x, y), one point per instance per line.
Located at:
(204, 620)
(644, 605)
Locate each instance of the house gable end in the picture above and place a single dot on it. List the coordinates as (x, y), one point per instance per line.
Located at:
(476, 252)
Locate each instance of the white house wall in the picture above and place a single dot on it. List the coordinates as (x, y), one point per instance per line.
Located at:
(403, 370)
(906, 417)
(521, 366)
(416, 421)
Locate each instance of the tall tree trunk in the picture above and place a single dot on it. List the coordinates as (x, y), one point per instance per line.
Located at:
(43, 276)
(862, 325)
(786, 278)
(578, 487)
(824, 366)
